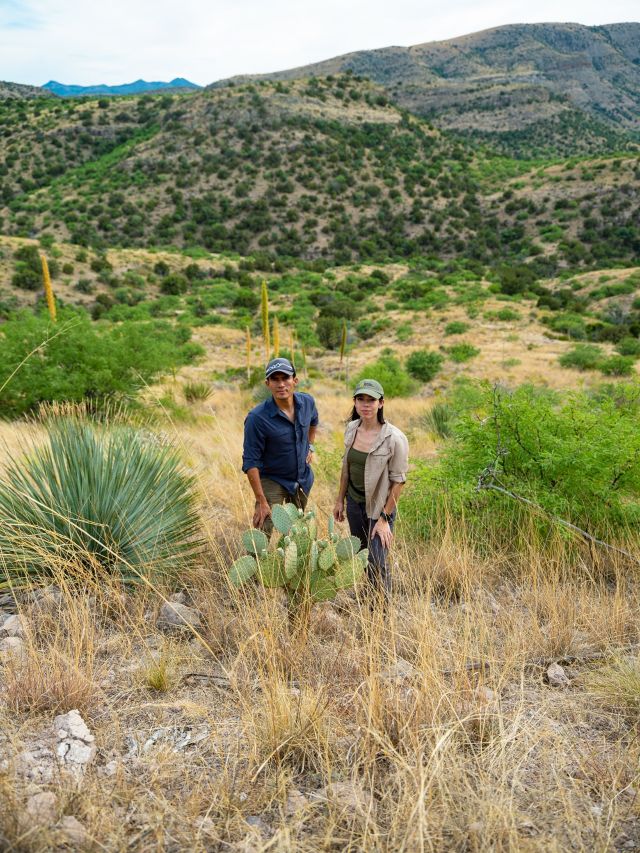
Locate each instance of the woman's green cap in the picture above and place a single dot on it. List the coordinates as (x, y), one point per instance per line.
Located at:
(369, 386)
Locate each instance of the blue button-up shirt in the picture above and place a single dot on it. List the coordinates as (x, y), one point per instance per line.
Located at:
(278, 447)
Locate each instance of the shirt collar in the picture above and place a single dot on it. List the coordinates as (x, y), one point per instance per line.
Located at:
(273, 409)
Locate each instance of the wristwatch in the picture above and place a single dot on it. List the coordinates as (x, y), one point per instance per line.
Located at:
(385, 516)
(311, 448)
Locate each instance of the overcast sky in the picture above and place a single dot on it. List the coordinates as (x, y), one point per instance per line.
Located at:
(117, 41)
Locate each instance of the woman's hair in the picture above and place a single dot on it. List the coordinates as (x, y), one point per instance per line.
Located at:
(355, 416)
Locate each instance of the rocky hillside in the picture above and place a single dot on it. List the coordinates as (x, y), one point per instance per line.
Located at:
(571, 88)
(20, 90)
(325, 168)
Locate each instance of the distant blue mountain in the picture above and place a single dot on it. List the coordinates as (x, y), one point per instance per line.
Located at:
(136, 88)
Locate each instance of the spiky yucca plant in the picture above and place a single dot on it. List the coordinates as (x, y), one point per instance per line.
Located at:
(98, 498)
(48, 289)
(307, 568)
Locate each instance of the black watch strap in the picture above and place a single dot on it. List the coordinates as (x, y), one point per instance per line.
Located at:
(384, 515)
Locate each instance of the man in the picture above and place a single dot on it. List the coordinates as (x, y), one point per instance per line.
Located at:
(278, 444)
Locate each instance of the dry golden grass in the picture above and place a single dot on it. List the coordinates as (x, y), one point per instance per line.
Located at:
(429, 727)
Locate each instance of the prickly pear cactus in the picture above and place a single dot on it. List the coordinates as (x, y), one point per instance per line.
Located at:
(308, 568)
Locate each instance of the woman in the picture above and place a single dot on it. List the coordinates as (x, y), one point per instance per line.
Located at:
(374, 470)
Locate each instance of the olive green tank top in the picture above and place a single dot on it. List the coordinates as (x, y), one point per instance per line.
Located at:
(356, 460)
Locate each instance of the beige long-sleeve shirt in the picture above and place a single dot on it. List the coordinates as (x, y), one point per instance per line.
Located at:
(387, 463)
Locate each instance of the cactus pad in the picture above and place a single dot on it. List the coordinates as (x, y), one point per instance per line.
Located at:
(281, 519)
(243, 568)
(326, 559)
(348, 573)
(271, 571)
(291, 560)
(321, 588)
(347, 548)
(255, 541)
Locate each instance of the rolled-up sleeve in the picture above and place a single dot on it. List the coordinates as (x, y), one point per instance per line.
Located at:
(254, 442)
(399, 461)
(314, 416)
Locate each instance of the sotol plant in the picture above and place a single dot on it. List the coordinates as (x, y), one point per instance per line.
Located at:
(308, 568)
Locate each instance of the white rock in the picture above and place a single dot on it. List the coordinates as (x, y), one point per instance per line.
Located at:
(484, 694)
(72, 832)
(37, 764)
(349, 797)
(401, 670)
(12, 647)
(13, 626)
(76, 748)
(42, 808)
(296, 802)
(557, 676)
(72, 725)
(175, 615)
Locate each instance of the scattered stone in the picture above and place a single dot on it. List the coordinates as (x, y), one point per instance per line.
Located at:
(47, 600)
(37, 764)
(175, 616)
(178, 598)
(13, 626)
(484, 694)
(76, 748)
(42, 808)
(350, 797)
(72, 832)
(110, 768)
(556, 676)
(401, 670)
(258, 823)
(476, 827)
(12, 647)
(296, 802)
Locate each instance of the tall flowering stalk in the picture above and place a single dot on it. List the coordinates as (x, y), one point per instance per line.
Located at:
(264, 312)
(248, 353)
(276, 337)
(292, 346)
(48, 290)
(343, 340)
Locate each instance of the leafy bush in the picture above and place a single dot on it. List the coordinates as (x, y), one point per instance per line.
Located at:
(389, 372)
(582, 357)
(577, 457)
(96, 498)
(456, 327)
(617, 365)
(628, 346)
(75, 360)
(503, 314)
(424, 364)
(462, 352)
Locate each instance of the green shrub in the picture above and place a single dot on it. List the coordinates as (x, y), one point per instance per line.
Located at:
(577, 457)
(75, 360)
(628, 346)
(617, 365)
(582, 357)
(462, 352)
(96, 498)
(456, 327)
(424, 364)
(503, 314)
(389, 372)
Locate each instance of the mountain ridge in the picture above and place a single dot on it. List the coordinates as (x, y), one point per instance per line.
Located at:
(137, 87)
(504, 79)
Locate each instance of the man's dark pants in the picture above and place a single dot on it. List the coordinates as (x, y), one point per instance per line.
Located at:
(361, 526)
(277, 494)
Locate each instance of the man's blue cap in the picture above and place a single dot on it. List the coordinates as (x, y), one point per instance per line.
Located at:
(279, 365)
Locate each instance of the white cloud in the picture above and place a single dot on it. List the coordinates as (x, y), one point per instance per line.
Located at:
(121, 40)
